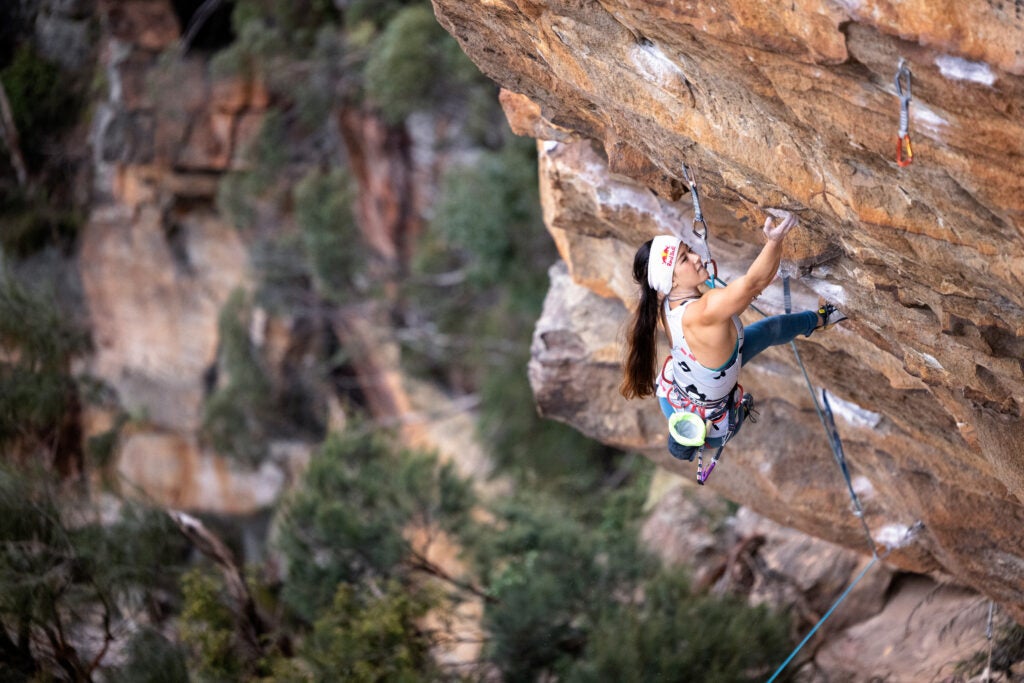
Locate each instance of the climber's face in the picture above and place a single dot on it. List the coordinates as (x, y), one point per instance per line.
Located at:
(689, 270)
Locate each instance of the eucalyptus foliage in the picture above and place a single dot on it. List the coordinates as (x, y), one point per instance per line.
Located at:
(415, 65)
(64, 571)
(238, 415)
(323, 210)
(348, 523)
(39, 341)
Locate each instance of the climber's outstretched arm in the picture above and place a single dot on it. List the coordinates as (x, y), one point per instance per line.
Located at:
(721, 303)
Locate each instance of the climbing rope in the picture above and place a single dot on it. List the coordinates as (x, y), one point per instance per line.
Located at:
(698, 217)
(904, 151)
(863, 573)
(824, 411)
(988, 636)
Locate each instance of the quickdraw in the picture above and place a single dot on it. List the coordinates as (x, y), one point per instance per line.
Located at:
(698, 217)
(738, 412)
(904, 151)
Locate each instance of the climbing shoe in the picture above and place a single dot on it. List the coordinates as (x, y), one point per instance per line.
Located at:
(830, 315)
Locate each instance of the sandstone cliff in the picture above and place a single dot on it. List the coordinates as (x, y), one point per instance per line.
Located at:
(794, 106)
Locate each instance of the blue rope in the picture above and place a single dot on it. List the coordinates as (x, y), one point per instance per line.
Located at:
(874, 558)
(836, 444)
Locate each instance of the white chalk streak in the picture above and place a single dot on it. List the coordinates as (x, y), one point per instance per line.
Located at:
(853, 413)
(960, 69)
(893, 535)
(653, 63)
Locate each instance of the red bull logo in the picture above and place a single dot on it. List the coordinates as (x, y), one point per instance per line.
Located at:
(668, 255)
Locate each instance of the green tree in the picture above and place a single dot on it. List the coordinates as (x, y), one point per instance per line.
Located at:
(296, 22)
(237, 416)
(44, 101)
(64, 572)
(151, 658)
(369, 634)
(552, 575)
(323, 210)
(415, 65)
(673, 635)
(208, 628)
(347, 523)
(488, 225)
(39, 341)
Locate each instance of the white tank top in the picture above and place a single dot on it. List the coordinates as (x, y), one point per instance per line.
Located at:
(684, 381)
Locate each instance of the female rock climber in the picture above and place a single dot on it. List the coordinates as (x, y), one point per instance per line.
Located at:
(709, 343)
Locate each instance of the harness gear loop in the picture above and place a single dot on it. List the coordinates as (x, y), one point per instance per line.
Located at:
(698, 217)
(904, 150)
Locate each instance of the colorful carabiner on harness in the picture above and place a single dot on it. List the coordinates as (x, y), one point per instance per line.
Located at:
(904, 150)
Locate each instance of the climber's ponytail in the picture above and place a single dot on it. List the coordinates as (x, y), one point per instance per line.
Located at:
(641, 363)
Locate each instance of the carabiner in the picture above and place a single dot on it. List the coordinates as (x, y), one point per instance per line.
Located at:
(703, 236)
(903, 72)
(712, 268)
(698, 215)
(901, 144)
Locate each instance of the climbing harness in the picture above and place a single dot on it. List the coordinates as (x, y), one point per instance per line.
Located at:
(690, 423)
(904, 151)
(698, 217)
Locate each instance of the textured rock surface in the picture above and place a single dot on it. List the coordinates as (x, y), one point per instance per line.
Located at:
(794, 106)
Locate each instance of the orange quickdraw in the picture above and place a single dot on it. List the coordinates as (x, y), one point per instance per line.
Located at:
(901, 144)
(904, 151)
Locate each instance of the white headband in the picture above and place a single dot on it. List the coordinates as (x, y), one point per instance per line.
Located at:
(661, 263)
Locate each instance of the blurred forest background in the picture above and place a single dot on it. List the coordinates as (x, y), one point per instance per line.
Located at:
(343, 580)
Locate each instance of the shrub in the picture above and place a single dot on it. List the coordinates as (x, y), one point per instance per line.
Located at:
(415, 65)
(676, 636)
(58, 578)
(241, 193)
(39, 341)
(33, 221)
(552, 575)
(208, 628)
(237, 415)
(295, 21)
(44, 101)
(332, 242)
(491, 211)
(347, 522)
(371, 634)
(151, 658)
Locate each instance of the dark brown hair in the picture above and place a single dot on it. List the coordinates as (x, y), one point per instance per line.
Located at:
(641, 363)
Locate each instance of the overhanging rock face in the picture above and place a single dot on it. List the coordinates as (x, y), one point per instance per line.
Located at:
(794, 106)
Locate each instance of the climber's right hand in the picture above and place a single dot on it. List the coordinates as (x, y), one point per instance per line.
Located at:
(776, 232)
